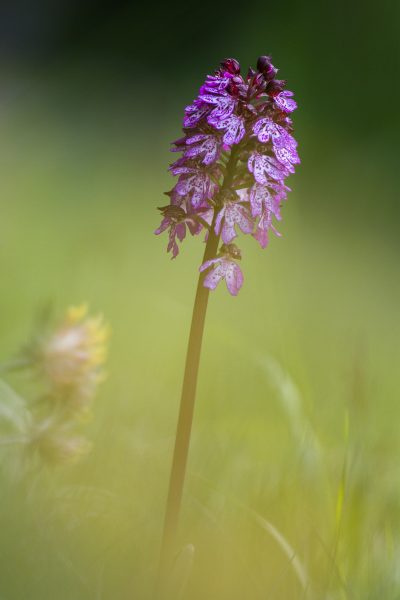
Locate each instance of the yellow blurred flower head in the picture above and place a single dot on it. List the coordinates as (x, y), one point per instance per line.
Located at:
(71, 356)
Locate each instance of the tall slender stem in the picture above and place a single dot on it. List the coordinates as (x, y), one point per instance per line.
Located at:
(184, 427)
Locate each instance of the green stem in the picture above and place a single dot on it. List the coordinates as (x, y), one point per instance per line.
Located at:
(185, 418)
(184, 427)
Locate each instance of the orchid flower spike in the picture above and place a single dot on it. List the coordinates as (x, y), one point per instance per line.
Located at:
(237, 151)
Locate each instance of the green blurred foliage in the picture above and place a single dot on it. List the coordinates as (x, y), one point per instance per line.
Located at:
(295, 439)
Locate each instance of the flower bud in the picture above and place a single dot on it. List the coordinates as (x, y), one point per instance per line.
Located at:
(231, 65)
(265, 67)
(275, 87)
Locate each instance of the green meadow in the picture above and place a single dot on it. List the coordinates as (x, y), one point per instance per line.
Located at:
(293, 483)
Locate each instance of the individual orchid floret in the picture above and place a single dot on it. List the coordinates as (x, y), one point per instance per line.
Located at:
(233, 213)
(224, 267)
(222, 106)
(265, 168)
(265, 225)
(233, 126)
(205, 146)
(283, 143)
(284, 101)
(261, 198)
(176, 219)
(280, 191)
(265, 205)
(287, 156)
(195, 184)
(195, 113)
(266, 129)
(214, 84)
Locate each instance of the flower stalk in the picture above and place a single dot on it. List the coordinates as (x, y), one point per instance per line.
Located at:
(185, 419)
(189, 386)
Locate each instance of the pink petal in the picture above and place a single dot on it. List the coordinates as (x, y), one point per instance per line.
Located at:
(163, 226)
(180, 231)
(213, 278)
(285, 102)
(208, 263)
(194, 114)
(234, 278)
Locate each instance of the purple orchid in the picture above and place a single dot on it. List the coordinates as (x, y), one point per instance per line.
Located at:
(265, 225)
(265, 168)
(224, 267)
(237, 151)
(231, 214)
(261, 198)
(195, 183)
(222, 106)
(266, 130)
(285, 102)
(206, 146)
(232, 125)
(176, 219)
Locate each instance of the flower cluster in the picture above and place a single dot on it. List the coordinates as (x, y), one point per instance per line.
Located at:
(237, 151)
(67, 358)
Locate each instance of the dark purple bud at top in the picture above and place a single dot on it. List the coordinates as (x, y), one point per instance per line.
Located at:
(275, 87)
(231, 65)
(270, 72)
(263, 63)
(265, 67)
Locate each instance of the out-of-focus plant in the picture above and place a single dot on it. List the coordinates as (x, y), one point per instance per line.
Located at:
(66, 360)
(237, 151)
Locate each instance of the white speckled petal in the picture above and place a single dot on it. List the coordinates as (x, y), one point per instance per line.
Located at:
(285, 102)
(235, 131)
(263, 129)
(228, 230)
(243, 219)
(208, 264)
(233, 278)
(213, 278)
(287, 157)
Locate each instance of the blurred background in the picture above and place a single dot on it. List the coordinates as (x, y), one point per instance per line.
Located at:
(293, 487)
